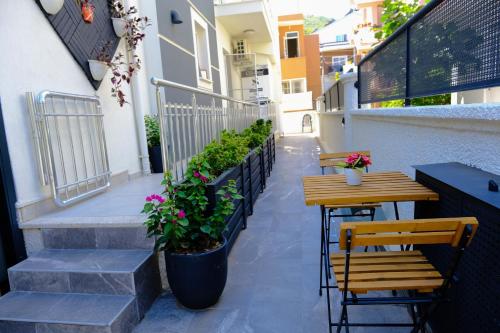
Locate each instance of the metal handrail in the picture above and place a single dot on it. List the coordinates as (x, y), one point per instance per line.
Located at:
(165, 83)
(186, 128)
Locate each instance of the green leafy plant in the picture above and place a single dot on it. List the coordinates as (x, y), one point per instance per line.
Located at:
(152, 130)
(180, 219)
(313, 23)
(229, 152)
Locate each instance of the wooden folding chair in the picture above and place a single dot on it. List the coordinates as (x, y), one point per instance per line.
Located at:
(363, 272)
(331, 160)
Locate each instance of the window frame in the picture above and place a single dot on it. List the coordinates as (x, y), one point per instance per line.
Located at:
(286, 38)
(291, 89)
(343, 38)
(205, 83)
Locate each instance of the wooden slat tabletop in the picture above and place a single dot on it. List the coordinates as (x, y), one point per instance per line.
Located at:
(376, 187)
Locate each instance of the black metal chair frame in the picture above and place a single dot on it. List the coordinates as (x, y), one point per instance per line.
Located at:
(419, 317)
(331, 217)
(309, 117)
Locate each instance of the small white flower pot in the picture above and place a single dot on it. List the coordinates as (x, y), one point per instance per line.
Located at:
(98, 69)
(120, 26)
(353, 177)
(52, 7)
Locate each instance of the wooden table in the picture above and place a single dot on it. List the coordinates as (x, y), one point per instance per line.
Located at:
(376, 187)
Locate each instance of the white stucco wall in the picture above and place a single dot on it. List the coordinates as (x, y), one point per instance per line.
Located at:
(400, 138)
(34, 59)
(331, 131)
(291, 122)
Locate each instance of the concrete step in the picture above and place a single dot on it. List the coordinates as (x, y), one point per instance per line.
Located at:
(90, 271)
(94, 238)
(32, 312)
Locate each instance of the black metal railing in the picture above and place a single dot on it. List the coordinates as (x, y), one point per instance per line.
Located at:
(448, 46)
(334, 97)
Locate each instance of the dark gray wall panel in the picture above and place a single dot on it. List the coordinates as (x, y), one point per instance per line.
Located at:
(81, 39)
(207, 8)
(181, 34)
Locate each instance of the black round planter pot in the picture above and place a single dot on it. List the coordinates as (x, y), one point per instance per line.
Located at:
(155, 159)
(198, 279)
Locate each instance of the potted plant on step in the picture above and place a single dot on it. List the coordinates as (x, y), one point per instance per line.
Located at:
(353, 168)
(154, 146)
(192, 235)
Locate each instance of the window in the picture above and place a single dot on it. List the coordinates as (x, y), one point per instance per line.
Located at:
(202, 51)
(341, 38)
(299, 86)
(338, 63)
(292, 44)
(285, 86)
(295, 86)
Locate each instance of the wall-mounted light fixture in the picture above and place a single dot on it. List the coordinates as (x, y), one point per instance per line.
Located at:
(174, 17)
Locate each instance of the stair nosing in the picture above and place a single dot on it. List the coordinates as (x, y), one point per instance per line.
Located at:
(108, 324)
(92, 270)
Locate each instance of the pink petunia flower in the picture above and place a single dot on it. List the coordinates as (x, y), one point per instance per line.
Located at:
(149, 198)
(196, 174)
(203, 179)
(181, 214)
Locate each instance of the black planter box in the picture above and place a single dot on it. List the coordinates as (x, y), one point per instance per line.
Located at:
(250, 177)
(475, 293)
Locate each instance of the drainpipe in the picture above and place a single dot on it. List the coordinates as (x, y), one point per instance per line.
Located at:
(140, 103)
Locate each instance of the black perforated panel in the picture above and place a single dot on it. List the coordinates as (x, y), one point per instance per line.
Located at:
(454, 45)
(81, 39)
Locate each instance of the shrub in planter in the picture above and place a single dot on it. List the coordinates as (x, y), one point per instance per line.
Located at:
(154, 146)
(192, 236)
(228, 153)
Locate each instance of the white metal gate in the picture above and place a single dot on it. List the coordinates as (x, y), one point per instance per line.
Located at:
(70, 146)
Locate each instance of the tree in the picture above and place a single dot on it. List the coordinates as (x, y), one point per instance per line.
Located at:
(313, 23)
(395, 14)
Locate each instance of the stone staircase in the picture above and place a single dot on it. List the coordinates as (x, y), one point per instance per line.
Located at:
(85, 280)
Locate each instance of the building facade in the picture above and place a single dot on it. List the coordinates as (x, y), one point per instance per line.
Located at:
(300, 70)
(190, 43)
(248, 51)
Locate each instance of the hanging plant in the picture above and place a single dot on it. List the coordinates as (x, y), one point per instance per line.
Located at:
(100, 64)
(132, 28)
(87, 11)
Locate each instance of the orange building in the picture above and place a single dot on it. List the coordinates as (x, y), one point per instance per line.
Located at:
(300, 64)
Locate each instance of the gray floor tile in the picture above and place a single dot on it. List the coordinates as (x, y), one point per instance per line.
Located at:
(273, 268)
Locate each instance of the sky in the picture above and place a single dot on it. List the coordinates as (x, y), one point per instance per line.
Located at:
(329, 8)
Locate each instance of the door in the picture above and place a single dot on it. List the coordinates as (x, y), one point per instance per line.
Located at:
(12, 248)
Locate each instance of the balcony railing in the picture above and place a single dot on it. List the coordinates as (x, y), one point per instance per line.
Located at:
(187, 128)
(448, 46)
(297, 101)
(334, 97)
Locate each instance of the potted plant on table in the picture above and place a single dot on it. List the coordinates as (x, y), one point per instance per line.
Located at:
(154, 146)
(192, 235)
(353, 168)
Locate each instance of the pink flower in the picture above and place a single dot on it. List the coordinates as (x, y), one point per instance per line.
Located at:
(155, 197)
(196, 174)
(181, 214)
(204, 179)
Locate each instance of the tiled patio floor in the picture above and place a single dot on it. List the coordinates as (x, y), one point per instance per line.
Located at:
(273, 268)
